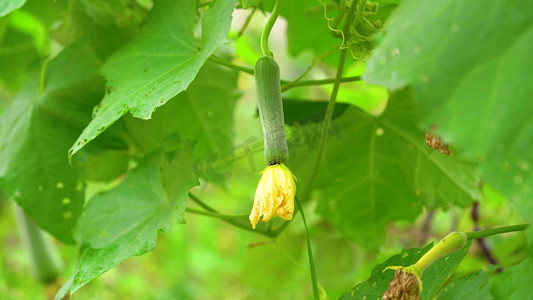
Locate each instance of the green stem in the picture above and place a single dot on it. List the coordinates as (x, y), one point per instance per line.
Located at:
(201, 203)
(42, 76)
(268, 27)
(213, 213)
(331, 104)
(45, 263)
(302, 75)
(309, 253)
(318, 82)
(484, 233)
(246, 22)
(229, 220)
(285, 83)
(226, 63)
(327, 119)
(340, 15)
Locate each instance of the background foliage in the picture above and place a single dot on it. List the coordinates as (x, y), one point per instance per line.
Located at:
(120, 119)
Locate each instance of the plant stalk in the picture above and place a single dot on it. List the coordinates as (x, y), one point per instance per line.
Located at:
(45, 264)
(484, 233)
(309, 253)
(268, 27)
(331, 104)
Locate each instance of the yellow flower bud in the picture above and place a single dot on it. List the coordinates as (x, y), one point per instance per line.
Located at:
(274, 195)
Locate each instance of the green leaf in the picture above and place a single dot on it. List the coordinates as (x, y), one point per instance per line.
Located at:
(302, 111)
(433, 277)
(514, 282)
(36, 132)
(106, 166)
(465, 68)
(7, 6)
(204, 113)
(160, 62)
(123, 16)
(124, 221)
(383, 168)
(250, 3)
(473, 287)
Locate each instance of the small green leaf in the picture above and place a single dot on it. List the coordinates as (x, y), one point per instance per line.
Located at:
(433, 277)
(125, 221)
(160, 62)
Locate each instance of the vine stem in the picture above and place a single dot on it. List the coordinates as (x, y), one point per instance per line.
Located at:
(45, 263)
(213, 213)
(498, 230)
(226, 63)
(327, 119)
(309, 252)
(285, 84)
(331, 103)
(481, 241)
(268, 27)
(246, 22)
(301, 83)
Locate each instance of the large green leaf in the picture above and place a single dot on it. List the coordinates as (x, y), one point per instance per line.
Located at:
(514, 282)
(124, 221)
(204, 113)
(36, 132)
(473, 287)
(469, 63)
(160, 62)
(377, 169)
(7, 6)
(433, 277)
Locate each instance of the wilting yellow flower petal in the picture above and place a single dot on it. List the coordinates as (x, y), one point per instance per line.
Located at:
(274, 195)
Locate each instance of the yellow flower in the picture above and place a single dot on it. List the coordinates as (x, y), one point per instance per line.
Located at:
(274, 195)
